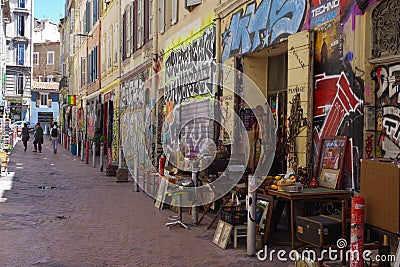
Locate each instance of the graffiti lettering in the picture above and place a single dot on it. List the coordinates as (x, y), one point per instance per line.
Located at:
(189, 70)
(369, 146)
(296, 89)
(324, 8)
(392, 129)
(262, 26)
(386, 78)
(294, 52)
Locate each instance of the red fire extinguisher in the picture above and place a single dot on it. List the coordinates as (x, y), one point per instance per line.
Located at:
(357, 232)
(161, 165)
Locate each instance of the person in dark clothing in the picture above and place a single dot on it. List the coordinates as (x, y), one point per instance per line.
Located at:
(25, 135)
(37, 143)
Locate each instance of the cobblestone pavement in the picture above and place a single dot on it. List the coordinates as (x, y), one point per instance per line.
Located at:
(61, 212)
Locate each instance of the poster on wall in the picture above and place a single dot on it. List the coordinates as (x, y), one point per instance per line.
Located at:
(328, 50)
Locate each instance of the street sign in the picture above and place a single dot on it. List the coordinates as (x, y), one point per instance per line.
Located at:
(8, 109)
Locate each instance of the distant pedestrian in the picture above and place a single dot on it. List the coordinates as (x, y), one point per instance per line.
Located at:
(37, 143)
(25, 135)
(54, 133)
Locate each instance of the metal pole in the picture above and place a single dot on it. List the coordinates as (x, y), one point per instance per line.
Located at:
(82, 146)
(251, 222)
(195, 214)
(94, 154)
(87, 151)
(101, 157)
(136, 178)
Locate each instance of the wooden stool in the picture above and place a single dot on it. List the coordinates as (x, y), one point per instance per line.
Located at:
(236, 235)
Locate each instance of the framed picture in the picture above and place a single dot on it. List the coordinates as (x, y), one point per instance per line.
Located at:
(222, 234)
(331, 158)
(370, 118)
(329, 178)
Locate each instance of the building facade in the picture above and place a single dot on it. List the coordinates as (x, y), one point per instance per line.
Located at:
(19, 60)
(46, 64)
(319, 66)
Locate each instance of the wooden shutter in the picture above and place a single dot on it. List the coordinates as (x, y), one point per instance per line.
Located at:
(88, 17)
(174, 17)
(140, 23)
(161, 16)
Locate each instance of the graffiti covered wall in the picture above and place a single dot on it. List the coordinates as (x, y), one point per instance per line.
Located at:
(339, 83)
(260, 24)
(387, 80)
(188, 91)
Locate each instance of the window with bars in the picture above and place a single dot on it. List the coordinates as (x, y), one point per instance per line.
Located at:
(385, 29)
(50, 57)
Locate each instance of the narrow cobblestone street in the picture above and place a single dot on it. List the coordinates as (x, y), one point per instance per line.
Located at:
(58, 211)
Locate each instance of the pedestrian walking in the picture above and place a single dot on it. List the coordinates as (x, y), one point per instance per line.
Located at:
(54, 133)
(25, 135)
(37, 143)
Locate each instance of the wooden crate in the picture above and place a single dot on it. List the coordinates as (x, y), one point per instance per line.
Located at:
(111, 170)
(122, 175)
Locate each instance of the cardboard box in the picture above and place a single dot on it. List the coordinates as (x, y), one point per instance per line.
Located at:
(380, 187)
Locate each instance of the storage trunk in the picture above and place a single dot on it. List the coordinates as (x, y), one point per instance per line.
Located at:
(319, 230)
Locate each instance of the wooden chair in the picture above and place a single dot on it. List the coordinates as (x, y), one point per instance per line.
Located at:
(4, 161)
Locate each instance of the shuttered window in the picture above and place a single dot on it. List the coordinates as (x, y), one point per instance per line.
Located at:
(88, 17)
(151, 19)
(146, 21)
(140, 23)
(128, 32)
(124, 34)
(133, 22)
(174, 17)
(161, 16)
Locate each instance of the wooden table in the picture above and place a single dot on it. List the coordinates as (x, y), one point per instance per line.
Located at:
(312, 194)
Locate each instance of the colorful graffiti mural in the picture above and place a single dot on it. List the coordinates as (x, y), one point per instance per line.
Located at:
(188, 87)
(188, 69)
(348, 8)
(263, 25)
(387, 80)
(133, 123)
(338, 111)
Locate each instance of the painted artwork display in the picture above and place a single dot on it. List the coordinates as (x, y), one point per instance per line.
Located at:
(331, 162)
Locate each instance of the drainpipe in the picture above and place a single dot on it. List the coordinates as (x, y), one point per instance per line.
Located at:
(119, 143)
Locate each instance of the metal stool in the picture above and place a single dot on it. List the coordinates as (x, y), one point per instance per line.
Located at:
(177, 220)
